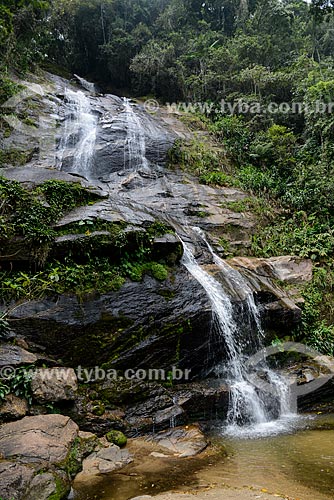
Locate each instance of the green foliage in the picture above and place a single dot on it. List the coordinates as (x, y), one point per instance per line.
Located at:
(197, 157)
(315, 330)
(234, 135)
(18, 383)
(204, 159)
(13, 157)
(31, 214)
(258, 206)
(218, 179)
(158, 271)
(98, 275)
(8, 88)
(300, 235)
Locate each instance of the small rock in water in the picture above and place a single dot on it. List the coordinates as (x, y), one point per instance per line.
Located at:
(181, 441)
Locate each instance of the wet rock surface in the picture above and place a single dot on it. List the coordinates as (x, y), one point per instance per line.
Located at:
(181, 442)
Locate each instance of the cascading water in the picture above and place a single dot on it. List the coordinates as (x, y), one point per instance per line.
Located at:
(135, 150)
(85, 84)
(79, 137)
(250, 410)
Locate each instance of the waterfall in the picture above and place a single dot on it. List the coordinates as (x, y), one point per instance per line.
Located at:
(251, 411)
(135, 150)
(85, 84)
(78, 141)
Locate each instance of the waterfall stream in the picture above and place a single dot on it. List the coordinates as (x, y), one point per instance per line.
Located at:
(251, 411)
(78, 140)
(135, 151)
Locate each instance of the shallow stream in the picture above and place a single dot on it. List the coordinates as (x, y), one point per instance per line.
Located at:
(296, 465)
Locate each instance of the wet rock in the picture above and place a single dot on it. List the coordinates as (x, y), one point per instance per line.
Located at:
(113, 211)
(182, 442)
(179, 405)
(315, 380)
(167, 247)
(54, 385)
(157, 322)
(32, 176)
(12, 355)
(13, 408)
(90, 416)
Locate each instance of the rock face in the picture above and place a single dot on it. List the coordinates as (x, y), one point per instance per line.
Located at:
(151, 324)
(54, 385)
(180, 405)
(293, 270)
(164, 322)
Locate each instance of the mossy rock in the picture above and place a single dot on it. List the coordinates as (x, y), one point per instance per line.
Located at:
(117, 438)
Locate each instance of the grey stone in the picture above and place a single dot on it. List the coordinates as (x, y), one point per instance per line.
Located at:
(37, 440)
(12, 355)
(182, 442)
(13, 408)
(54, 385)
(14, 479)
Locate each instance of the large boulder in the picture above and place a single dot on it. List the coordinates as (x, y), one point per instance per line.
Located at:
(289, 269)
(149, 324)
(44, 439)
(41, 455)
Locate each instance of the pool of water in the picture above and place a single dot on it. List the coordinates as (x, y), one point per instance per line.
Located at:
(299, 464)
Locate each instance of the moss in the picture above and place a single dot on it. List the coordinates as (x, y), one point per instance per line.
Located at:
(72, 464)
(103, 340)
(158, 271)
(98, 408)
(62, 490)
(14, 157)
(117, 438)
(167, 294)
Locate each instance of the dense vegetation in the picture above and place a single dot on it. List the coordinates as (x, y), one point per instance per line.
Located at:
(251, 54)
